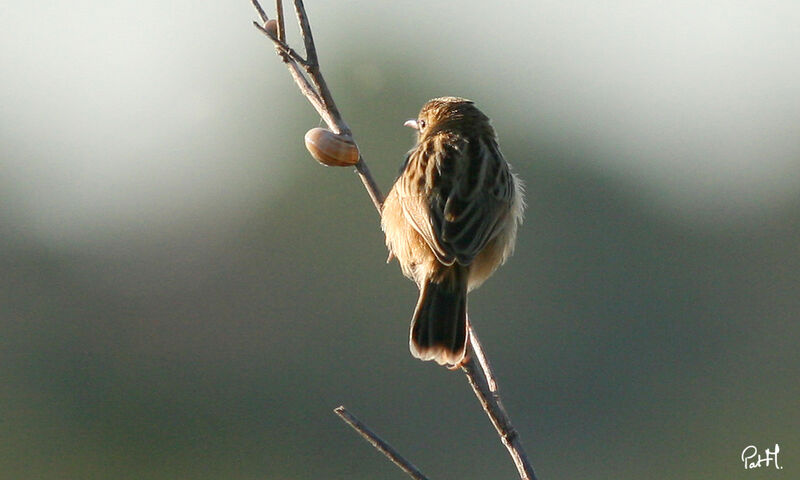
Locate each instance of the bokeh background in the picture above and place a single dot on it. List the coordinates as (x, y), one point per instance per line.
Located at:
(186, 294)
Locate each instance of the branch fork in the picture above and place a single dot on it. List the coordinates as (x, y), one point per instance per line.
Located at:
(308, 77)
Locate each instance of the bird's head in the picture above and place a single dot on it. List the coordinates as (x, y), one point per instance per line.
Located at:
(454, 114)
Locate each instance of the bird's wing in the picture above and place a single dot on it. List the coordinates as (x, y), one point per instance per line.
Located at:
(460, 211)
(416, 211)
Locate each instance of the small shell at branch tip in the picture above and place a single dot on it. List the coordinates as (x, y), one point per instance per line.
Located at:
(331, 149)
(272, 27)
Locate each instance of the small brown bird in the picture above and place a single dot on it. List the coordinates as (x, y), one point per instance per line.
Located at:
(450, 220)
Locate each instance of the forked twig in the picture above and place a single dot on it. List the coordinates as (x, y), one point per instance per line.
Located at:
(379, 444)
(307, 76)
(311, 83)
(481, 379)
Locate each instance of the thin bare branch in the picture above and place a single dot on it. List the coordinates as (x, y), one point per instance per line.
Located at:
(369, 183)
(486, 368)
(305, 30)
(312, 67)
(478, 374)
(379, 444)
(306, 88)
(281, 46)
(261, 13)
(281, 23)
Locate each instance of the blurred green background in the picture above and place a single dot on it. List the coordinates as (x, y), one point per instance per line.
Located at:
(186, 294)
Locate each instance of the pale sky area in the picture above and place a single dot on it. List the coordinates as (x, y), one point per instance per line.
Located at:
(124, 111)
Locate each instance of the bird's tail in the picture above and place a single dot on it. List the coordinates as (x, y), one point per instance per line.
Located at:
(439, 327)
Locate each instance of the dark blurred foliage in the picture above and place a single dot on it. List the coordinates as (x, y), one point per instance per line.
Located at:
(629, 341)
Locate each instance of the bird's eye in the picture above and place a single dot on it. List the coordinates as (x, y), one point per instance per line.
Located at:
(421, 124)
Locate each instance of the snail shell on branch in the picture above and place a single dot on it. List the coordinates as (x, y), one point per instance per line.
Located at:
(272, 27)
(331, 149)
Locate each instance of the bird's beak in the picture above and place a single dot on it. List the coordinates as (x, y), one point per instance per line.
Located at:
(411, 123)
